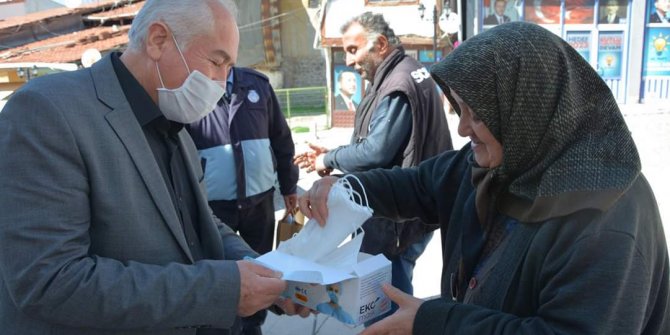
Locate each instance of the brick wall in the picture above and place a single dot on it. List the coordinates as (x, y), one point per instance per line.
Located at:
(342, 118)
(304, 71)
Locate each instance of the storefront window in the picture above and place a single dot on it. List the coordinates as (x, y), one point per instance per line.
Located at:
(597, 30)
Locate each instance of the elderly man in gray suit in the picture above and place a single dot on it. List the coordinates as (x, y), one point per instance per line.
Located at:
(104, 228)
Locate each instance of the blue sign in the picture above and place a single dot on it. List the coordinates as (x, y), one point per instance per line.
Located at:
(581, 41)
(656, 54)
(610, 54)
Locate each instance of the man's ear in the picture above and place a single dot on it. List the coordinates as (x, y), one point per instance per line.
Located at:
(158, 40)
(383, 45)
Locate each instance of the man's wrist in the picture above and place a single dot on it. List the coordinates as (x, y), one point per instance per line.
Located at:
(320, 163)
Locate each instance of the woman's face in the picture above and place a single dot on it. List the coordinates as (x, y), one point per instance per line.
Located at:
(488, 151)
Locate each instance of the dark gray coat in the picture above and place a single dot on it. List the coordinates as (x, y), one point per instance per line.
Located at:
(590, 272)
(90, 242)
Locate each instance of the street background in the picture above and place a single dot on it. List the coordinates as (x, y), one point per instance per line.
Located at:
(649, 124)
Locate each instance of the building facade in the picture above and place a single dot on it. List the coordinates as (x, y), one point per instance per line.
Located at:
(624, 40)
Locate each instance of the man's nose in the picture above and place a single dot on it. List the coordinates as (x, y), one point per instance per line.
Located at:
(349, 59)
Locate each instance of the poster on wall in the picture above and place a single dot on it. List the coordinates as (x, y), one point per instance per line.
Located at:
(613, 12)
(549, 11)
(579, 11)
(656, 54)
(426, 56)
(347, 89)
(659, 12)
(581, 41)
(543, 11)
(610, 54)
(501, 11)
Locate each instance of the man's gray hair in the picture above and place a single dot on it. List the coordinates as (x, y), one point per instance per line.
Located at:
(374, 25)
(185, 18)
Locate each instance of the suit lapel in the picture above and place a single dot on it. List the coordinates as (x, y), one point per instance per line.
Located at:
(125, 125)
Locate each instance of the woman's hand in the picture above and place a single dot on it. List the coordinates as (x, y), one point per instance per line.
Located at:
(314, 203)
(402, 321)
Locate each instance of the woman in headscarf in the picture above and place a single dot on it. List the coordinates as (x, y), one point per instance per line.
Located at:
(548, 225)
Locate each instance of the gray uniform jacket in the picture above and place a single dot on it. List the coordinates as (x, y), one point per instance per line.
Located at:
(90, 242)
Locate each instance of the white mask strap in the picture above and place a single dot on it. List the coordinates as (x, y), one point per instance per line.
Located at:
(180, 54)
(182, 58)
(355, 196)
(159, 75)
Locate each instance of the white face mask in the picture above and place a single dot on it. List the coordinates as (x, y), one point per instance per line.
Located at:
(194, 99)
(347, 210)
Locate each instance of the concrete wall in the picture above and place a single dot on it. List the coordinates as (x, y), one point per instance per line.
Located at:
(251, 51)
(302, 65)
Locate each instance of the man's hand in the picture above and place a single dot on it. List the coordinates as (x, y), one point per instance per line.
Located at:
(259, 287)
(291, 202)
(402, 321)
(314, 203)
(307, 160)
(291, 308)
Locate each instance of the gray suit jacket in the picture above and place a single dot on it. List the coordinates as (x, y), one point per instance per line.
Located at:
(90, 242)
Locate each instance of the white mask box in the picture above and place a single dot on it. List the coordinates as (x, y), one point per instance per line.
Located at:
(352, 296)
(330, 276)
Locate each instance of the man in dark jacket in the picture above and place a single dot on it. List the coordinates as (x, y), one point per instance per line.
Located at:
(659, 14)
(498, 16)
(245, 145)
(399, 122)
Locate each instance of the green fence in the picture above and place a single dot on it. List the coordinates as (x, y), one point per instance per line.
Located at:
(303, 101)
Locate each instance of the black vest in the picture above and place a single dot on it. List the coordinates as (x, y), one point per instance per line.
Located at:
(430, 132)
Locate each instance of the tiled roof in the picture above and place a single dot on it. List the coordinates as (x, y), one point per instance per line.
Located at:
(68, 48)
(17, 21)
(121, 12)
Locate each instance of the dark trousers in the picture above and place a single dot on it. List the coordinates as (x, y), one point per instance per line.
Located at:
(256, 224)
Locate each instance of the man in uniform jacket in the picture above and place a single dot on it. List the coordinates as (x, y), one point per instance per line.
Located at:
(245, 145)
